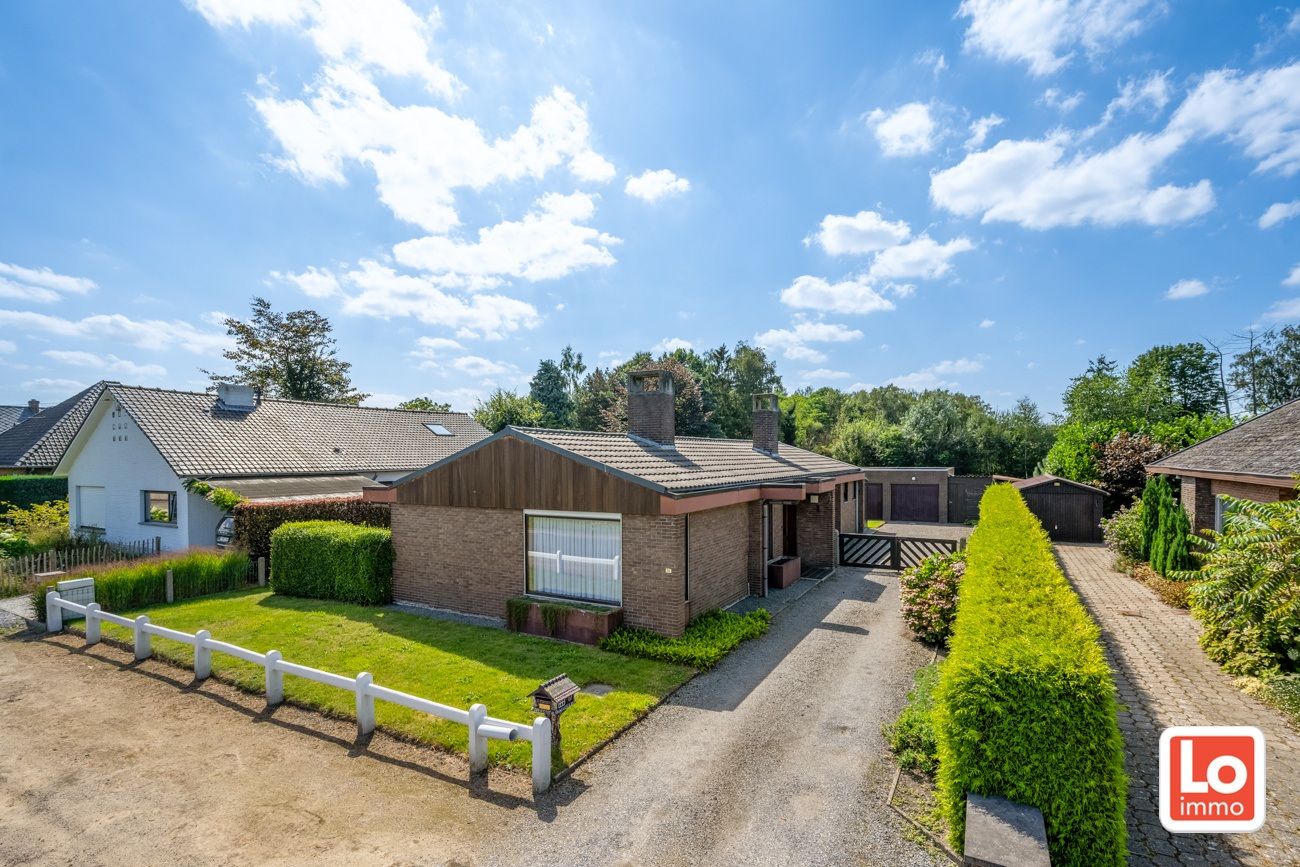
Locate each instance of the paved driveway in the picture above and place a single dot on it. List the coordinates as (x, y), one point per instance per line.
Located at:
(774, 757)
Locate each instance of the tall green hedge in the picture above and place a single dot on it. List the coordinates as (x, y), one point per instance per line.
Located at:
(123, 586)
(1025, 707)
(26, 491)
(333, 560)
(254, 522)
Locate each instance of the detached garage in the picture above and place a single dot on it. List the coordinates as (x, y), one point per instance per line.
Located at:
(1069, 511)
(907, 494)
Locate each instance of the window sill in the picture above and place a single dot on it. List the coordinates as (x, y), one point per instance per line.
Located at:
(158, 524)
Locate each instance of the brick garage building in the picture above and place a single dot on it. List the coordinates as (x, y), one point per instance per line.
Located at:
(1256, 460)
(666, 527)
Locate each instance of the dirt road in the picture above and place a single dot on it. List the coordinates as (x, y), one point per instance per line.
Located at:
(775, 757)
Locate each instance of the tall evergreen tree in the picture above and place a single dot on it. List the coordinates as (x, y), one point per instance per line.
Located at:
(550, 388)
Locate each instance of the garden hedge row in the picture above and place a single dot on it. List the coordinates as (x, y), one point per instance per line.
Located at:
(123, 586)
(26, 491)
(254, 522)
(333, 560)
(1025, 708)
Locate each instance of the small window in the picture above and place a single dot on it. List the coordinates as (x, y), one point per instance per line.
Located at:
(159, 507)
(845, 488)
(439, 430)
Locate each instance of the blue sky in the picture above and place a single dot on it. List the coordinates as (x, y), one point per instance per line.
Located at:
(980, 195)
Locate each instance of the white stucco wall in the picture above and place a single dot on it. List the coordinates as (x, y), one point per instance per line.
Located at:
(202, 518)
(118, 457)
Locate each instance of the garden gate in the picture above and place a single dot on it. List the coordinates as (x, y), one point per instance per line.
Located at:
(881, 551)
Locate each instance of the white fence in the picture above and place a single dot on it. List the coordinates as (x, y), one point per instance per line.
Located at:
(481, 726)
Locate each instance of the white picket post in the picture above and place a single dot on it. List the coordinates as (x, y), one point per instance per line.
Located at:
(365, 704)
(53, 613)
(92, 623)
(202, 655)
(274, 678)
(477, 743)
(170, 587)
(143, 640)
(541, 754)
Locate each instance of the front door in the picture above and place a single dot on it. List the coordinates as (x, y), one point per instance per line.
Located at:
(875, 510)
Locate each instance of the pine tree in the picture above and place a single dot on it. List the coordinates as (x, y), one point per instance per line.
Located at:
(1151, 512)
(1173, 533)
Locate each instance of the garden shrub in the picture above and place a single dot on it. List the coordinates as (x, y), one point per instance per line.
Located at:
(1025, 706)
(254, 522)
(1176, 594)
(911, 736)
(1169, 551)
(928, 595)
(123, 586)
(1156, 490)
(707, 639)
(1248, 598)
(333, 560)
(34, 529)
(1123, 533)
(23, 492)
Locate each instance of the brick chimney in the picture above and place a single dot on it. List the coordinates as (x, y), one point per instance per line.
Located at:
(651, 403)
(34, 405)
(767, 423)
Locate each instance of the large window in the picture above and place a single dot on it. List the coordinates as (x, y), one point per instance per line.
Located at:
(575, 556)
(159, 507)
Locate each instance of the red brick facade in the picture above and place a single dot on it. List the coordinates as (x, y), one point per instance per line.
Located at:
(1199, 496)
(817, 529)
(717, 565)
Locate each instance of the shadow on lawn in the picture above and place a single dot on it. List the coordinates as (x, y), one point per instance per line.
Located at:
(247, 704)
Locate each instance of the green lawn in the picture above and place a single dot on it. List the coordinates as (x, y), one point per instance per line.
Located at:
(452, 663)
(874, 524)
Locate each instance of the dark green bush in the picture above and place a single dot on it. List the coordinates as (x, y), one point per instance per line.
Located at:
(911, 736)
(254, 522)
(1025, 707)
(333, 560)
(707, 639)
(26, 491)
(123, 586)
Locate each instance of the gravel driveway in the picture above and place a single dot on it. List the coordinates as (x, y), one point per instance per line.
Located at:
(775, 757)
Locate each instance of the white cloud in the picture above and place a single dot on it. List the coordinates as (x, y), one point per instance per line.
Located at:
(1184, 289)
(651, 186)
(1045, 33)
(549, 242)
(906, 131)
(107, 363)
(385, 35)
(155, 334)
(1293, 279)
(821, 374)
(980, 129)
(384, 293)
(923, 257)
(987, 323)
(1154, 91)
(672, 344)
(314, 282)
(933, 58)
(1259, 112)
(8, 346)
(40, 285)
(46, 386)
(591, 166)
(938, 375)
(1038, 185)
(1288, 308)
(865, 232)
(1279, 212)
(794, 341)
(853, 295)
(431, 351)
(483, 368)
(1062, 102)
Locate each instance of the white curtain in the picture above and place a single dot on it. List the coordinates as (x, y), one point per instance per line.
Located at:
(578, 558)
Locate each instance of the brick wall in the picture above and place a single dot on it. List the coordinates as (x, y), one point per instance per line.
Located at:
(472, 560)
(718, 547)
(847, 510)
(1198, 501)
(817, 531)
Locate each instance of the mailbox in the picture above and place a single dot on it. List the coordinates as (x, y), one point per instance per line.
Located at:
(552, 699)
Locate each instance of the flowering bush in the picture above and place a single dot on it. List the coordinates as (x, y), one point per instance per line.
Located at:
(1123, 534)
(928, 594)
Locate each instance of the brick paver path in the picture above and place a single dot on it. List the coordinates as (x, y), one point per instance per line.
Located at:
(1164, 679)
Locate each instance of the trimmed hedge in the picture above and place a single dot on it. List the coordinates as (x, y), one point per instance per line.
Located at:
(254, 522)
(1025, 708)
(707, 639)
(26, 491)
(123, 586)
(333, 560)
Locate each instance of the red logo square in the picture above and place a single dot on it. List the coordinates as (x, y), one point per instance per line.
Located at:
(1212, 779)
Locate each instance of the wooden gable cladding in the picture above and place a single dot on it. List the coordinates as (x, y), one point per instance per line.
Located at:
(509, 473)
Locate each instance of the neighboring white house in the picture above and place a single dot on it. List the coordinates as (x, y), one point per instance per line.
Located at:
(128, 463)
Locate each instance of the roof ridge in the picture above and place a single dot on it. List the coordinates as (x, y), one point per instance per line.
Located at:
(212, 395)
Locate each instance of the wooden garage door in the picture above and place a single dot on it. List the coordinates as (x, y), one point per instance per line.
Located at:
(875, 509)
(1067, 517)
(914, 503)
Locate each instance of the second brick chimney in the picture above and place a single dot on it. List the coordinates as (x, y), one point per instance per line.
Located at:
(33, 406)
(651, 405)
(767, 423)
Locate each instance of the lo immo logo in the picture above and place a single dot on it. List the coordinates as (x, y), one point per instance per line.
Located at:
(1212, 779)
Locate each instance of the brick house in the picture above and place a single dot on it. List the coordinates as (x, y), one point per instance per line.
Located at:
(666, 527)
(1256, 460)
